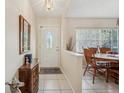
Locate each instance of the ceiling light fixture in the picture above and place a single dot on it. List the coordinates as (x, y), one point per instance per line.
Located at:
(49, 5)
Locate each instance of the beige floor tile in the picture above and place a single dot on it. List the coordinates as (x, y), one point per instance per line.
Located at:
(41, 76)
(48, 76)
(60, 76)
(66, 91)
(64, 84)
(41, 84)
(86, 85)
(100, 85)
(54, 91)
(40, 92)
(51, 84)
(107, 91)
(89, 76)
(89, 91)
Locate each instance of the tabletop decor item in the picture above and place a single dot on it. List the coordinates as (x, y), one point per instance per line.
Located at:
(70, 44)
(98, 49)
(28, 58)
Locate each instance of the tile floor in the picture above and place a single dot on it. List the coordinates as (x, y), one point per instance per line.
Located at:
(100, 85)
(56, 83)
(53, 83)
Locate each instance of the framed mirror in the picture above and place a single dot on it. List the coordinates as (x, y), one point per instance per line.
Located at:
(24, 35)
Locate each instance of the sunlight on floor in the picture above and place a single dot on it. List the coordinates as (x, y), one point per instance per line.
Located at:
(53, 83)
(100, 85)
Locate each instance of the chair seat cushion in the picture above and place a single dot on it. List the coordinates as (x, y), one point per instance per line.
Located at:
(102, 63)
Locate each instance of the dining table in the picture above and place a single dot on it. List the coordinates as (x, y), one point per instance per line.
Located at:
(109, 58)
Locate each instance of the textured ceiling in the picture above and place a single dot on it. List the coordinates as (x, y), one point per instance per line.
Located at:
(39, 8)
(79, 8)
(94, 8)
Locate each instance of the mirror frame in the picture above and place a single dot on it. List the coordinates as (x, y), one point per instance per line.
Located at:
(24, 35)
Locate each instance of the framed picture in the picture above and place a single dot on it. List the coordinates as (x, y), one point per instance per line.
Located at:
(24, 35)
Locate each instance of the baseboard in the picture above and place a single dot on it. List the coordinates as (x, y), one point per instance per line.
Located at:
(67, 79)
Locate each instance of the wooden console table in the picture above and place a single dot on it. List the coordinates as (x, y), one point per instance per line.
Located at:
(29, 74)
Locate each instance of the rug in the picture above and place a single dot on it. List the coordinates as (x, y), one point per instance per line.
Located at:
(50, 71)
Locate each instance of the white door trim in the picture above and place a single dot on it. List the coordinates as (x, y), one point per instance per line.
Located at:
(56, 27)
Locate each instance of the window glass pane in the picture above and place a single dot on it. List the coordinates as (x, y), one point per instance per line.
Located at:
(49, 39)
(93, 37)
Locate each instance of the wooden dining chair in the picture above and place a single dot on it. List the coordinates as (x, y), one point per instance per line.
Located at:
(114, 73)
(94, 50)
(113, 70)
(112, 52)
(104, 50)
(94, 64)
(89, 59)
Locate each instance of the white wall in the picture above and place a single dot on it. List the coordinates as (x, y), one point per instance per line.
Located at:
(13, 60)
(72, 67)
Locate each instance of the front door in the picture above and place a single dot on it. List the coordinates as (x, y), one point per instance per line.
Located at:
(50, 47)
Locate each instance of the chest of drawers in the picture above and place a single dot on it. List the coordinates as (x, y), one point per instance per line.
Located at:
(29, 74)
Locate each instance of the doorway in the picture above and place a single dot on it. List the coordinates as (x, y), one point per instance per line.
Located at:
(50, 46)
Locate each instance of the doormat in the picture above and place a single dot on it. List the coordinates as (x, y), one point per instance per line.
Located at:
(50, 71)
